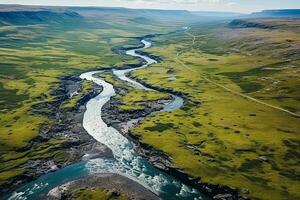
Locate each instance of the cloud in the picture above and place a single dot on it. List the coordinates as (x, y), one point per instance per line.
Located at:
(196, 5)
(231, 3)
(172, 1)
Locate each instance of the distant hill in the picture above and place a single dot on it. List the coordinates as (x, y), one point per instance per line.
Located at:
(292, 13)
(289, 24)
(267, 19)
(37, 17)
(217, 14)
(20, 14)
(101, 11)
(246, 23)
(152, 14)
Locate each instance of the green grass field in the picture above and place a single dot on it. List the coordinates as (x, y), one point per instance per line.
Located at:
(33, 58)
(238, 125)
(221, 135)
(97, 194)
(133, 99)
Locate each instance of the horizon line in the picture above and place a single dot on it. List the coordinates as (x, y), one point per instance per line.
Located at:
(132, 8)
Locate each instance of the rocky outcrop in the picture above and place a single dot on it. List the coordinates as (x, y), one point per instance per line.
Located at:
(112, 115)
(166, 90)
(240, 23)
(282, 13)
(68, 122)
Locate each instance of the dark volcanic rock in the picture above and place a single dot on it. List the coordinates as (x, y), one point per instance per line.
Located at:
(171, 71)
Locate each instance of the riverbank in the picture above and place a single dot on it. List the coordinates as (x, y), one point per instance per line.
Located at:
(158, 159)
(228, 139)
(129, 119)
(127, 161)
(76, 144)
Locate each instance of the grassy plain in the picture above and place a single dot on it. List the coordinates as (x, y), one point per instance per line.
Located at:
(86, 86)
(33, 58)
(134, 98)
(221, 135)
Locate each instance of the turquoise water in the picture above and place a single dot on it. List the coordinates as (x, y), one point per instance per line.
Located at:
(36, 189)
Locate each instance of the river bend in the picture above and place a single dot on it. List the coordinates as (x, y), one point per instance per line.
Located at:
(126, 161)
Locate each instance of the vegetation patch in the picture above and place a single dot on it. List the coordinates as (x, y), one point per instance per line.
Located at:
(244, 144)
(96, 194)
(131, 98)
(34, 57)
(160, 127)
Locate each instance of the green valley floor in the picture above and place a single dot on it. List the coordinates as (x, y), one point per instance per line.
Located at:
(240, 123)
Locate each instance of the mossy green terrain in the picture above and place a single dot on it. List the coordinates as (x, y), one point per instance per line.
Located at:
(136, 98)
(239, 124)
(33, 59)
(133, 98)
(85, 88)
(11, 160)
(96, 194)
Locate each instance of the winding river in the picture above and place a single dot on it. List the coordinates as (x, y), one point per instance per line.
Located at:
(126, 161)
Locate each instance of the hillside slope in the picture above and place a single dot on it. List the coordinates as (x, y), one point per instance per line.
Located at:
(37, 17)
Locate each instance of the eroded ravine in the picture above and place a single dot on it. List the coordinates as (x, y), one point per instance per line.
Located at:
(126, 161)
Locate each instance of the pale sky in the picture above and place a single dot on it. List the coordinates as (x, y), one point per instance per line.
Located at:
(199, 5)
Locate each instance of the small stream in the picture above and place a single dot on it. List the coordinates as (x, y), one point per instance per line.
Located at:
(126, 161)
